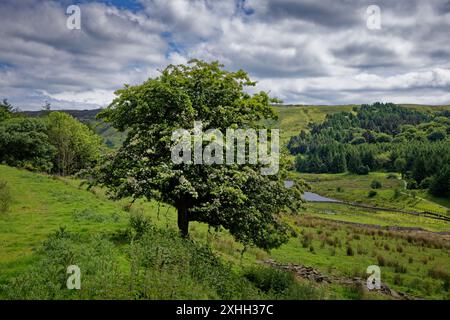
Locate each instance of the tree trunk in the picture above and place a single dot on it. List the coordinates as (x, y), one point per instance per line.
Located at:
(183, 220)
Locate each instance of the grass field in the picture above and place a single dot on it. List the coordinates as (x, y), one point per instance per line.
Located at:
(356, 188)
(413, 261)
(293, 119)
(336, 239)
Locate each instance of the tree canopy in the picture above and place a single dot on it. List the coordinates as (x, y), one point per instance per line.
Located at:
(77, 146)
(234, 196)
(24, 143)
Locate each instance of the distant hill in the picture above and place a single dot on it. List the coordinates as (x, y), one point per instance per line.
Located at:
(85, 116)
(292, 119)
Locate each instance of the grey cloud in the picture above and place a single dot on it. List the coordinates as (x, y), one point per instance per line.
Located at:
(302, 51)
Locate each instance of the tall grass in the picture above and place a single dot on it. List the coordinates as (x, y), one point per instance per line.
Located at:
(5, 197)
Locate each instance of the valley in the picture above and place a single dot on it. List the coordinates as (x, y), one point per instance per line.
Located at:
(336, 239)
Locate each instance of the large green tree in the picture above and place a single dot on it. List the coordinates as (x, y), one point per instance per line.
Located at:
(24, 143)
(237, 197)
(77, 146)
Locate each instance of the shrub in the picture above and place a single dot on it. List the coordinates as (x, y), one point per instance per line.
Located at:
(411, 184)
(372, 193)
(381, 260)
(376, 184)
(440, 185)
(363, 170)
(307, 240)
(361, 250)
(280, 284)
(350, 251)
(269, 279)
(426, 183)
(439, 272)
(392, 176)
(24, 143)
(139, 223)
(299, 291)
(5, 197)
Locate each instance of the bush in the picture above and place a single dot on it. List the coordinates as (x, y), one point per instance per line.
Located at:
(5, 197)
(426, 183)
(269, 279)
(376, 184)
(24, 143)
(439, 272)
(411, 184)
(350, 251)
(77, 146)
(372, 193)
(363, 170)
(440, 184)
(139, 223)
(381, 260)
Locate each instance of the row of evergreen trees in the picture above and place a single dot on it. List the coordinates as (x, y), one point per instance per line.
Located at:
(378, 137)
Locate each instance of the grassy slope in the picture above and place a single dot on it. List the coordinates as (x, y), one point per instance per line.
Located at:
(294, 118)
(355, 188)
(42, 204)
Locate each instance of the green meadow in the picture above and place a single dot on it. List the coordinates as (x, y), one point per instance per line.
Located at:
(134, 251)
(412, 262)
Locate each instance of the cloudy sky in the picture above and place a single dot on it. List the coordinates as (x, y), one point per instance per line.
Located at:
(302, 51)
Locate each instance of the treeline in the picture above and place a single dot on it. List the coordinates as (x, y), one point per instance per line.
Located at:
(54, 142)
(379, 137)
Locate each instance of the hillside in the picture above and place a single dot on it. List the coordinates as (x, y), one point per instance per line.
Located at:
(335, 250)
(292, 118)
(58, 222)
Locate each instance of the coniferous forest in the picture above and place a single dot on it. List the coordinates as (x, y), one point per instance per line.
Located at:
(379, 137)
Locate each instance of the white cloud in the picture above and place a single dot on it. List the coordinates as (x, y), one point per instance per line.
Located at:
(301, 51)
(95, 97)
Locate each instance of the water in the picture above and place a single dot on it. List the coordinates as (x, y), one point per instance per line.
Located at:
(314, 197)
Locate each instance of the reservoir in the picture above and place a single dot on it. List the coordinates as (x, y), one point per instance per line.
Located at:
(314, 197)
